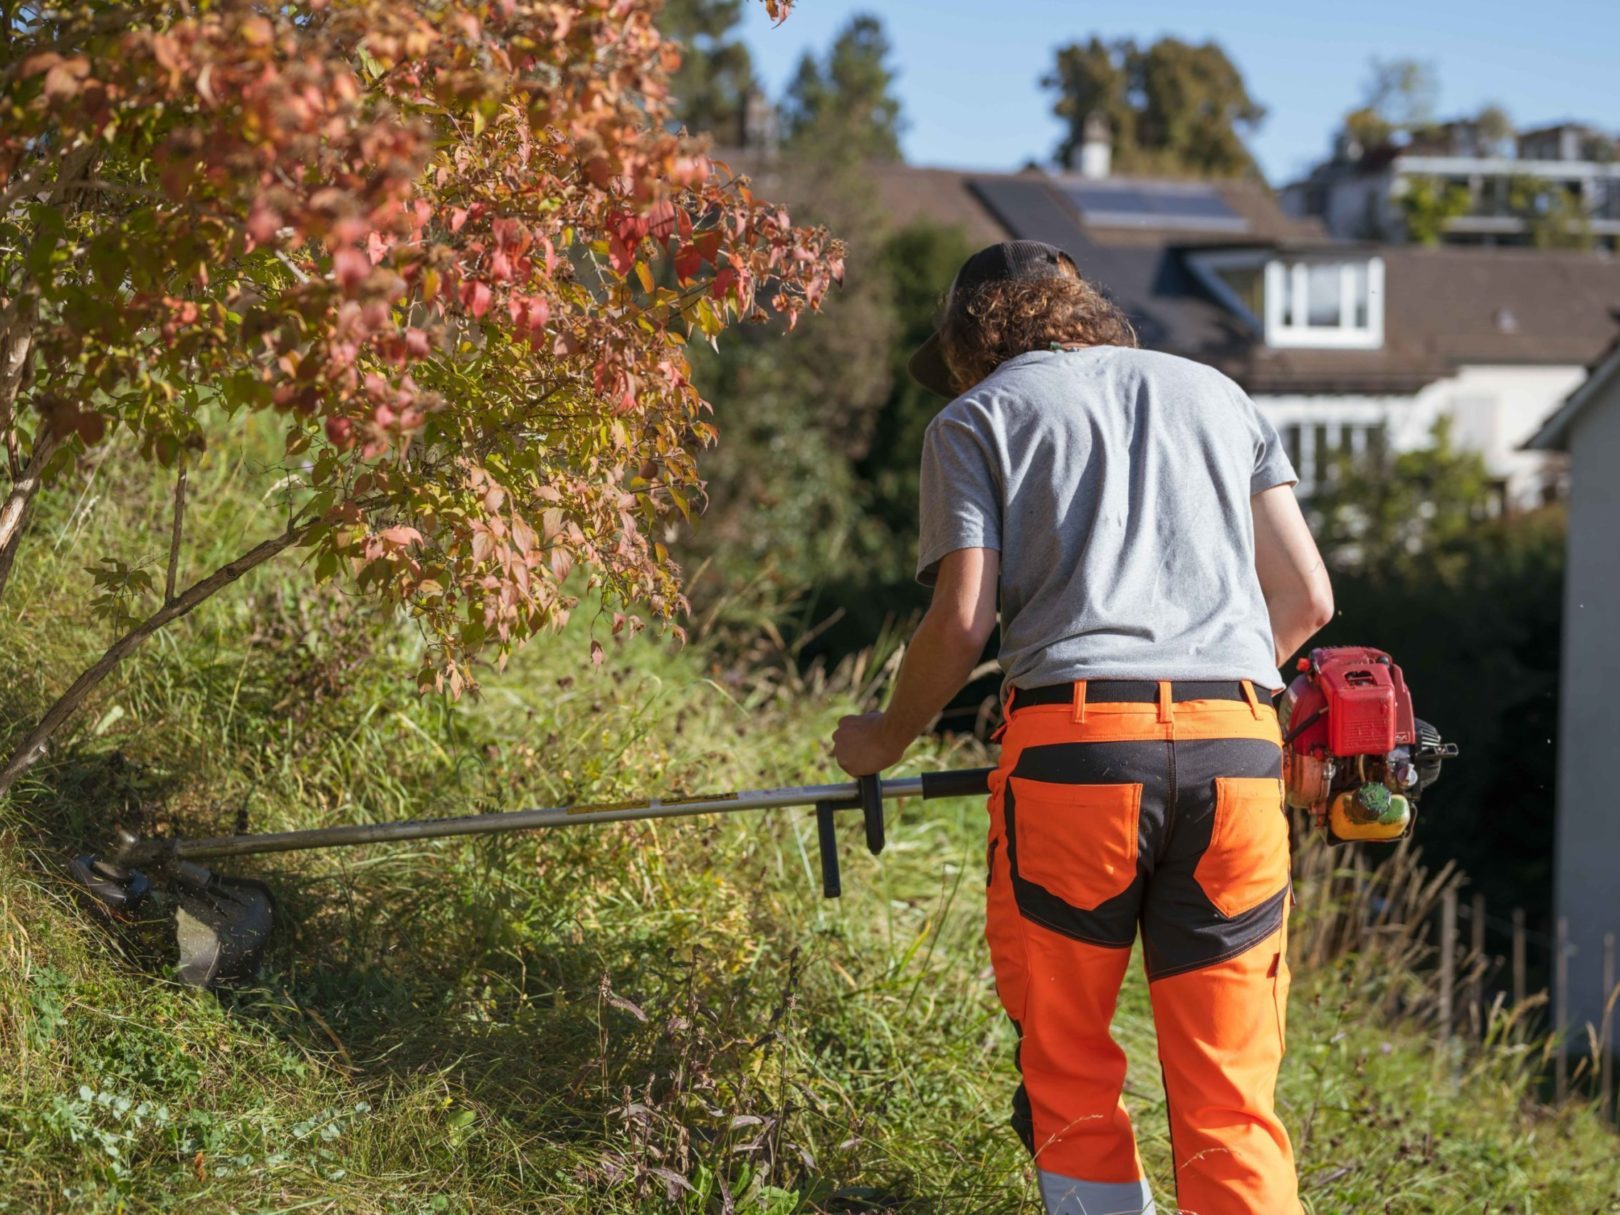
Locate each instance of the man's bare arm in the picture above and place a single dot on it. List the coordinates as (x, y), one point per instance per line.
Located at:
(939, 658)
(1293, 577)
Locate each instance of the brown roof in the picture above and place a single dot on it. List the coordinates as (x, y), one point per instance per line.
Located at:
(940, 195)
(1444, 307)
(1449, 307)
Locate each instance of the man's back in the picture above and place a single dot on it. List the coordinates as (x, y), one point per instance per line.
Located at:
(1116, 484)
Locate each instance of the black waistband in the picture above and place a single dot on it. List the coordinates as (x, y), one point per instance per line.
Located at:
(1129, 692)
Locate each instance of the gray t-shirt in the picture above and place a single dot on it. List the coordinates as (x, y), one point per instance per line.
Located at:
(1115, 483)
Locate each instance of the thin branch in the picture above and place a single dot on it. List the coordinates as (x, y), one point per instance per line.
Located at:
(174, 535)
(34, 745)
(19, 503)
(288, 262)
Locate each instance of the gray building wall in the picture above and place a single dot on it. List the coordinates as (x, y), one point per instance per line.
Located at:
(1587, 881)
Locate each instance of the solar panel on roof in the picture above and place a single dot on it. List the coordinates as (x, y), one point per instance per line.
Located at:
(1029, 211)
(1155, 206)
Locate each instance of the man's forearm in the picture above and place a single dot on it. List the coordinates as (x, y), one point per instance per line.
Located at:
(1295, 619)
(936, 666)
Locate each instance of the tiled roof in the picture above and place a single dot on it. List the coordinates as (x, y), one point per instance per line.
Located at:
(1444, 307)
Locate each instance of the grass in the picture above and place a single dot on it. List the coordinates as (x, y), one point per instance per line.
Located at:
(647, 1017)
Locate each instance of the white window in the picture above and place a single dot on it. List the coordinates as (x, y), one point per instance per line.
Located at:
(1319, 450)
(1325, 303)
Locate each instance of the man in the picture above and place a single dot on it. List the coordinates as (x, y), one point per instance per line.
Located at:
(1135, 512)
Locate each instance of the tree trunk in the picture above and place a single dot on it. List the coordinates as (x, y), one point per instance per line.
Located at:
(19, 503)
(16, 349)
(34, 745)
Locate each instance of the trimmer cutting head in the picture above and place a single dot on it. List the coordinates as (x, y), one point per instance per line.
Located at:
(221, 923)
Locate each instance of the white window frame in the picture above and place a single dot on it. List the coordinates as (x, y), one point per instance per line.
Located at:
(1285, 331)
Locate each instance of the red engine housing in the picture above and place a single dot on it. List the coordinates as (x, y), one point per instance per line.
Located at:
(1352, 701)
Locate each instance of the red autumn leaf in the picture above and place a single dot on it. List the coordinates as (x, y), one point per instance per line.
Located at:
(476, 297)
(401, 537)
(351, 268)
(723, 283)
(661, 220)
(707, 244)
(688, 261)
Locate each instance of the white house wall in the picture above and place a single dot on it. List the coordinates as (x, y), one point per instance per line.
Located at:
(1586, 888)
(1496, 409)
(1493, 409)
(1359, 208)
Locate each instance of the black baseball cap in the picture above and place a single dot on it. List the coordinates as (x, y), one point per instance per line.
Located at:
(1012, 259)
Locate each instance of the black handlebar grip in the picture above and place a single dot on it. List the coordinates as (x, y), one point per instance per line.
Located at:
(969, 782)
(872, 808)
(827, 838)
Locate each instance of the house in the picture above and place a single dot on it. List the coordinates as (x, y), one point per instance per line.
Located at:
(1585, 891)
(1347, 346)
(1507, 185)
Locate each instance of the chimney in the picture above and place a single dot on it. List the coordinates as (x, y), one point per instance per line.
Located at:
(1096, 146)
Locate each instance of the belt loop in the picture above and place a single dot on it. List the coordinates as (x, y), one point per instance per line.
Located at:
(1254, 701)
(1079, 701)
(1165, 711)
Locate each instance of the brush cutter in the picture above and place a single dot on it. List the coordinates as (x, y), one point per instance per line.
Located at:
(223, 922)
(1354, 753)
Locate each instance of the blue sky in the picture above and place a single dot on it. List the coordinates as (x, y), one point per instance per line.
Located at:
(968, 70)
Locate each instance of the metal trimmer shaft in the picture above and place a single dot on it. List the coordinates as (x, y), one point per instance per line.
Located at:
(866, 794)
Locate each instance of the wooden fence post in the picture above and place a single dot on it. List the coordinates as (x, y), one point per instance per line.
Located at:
(1476, 945)
(1448, 958)
(1518, 956)
(1561, 1009)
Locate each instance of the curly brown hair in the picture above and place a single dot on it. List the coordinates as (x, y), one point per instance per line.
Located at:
(986, 325)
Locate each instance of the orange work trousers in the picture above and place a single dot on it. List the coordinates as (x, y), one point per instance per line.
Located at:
(1129, 804)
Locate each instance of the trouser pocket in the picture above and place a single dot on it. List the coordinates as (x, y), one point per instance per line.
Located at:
(1246, 862)
(1076, 843)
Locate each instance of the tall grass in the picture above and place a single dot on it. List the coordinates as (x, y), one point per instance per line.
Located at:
(638, 1018)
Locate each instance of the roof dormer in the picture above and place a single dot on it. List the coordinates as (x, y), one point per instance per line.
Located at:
(1317, 299)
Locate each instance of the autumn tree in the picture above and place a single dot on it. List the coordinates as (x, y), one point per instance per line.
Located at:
(455, 247)
(1174, 109)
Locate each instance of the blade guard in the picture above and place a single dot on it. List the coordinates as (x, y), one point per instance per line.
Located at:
(222, 924)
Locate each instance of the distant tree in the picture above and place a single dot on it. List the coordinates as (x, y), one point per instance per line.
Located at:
(1496, 131)
(784, 495)
(1553, 214)
(717, 72)
(452, 248)
(1397, 99)
(1173, 109)
(919, 261)
(1428, 204)
(843, 106)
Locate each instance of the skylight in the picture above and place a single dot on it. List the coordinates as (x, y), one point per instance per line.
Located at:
(1155, 205)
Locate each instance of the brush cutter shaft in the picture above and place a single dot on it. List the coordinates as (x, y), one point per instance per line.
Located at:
(841, 796)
